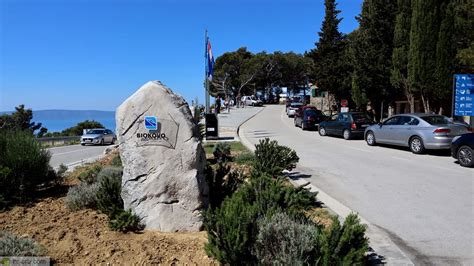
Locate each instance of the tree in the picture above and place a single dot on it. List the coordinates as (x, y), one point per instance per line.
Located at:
(330, 70)
(399, 73)
(20, 120)
(464, 39)
(295, 70)
(372, 53)
(422, 52)
(78, 129)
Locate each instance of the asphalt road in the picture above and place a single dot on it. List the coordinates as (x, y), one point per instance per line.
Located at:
(425, 203)
(74, 155)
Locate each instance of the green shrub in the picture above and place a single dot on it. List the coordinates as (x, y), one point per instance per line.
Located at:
(282, 240)
(221, 152)
(11, 245)
(245, 158)
(109, 200)
(116, 161)
(126, 221)
(231, 230)
(82, 196)
(272, 158)
(90, 174)
(24, 164)
(232, 227)
(222, 183)
(344, 245)
(61, 170)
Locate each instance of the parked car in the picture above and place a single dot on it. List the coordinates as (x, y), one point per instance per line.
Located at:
(292, 108)
(251, 100)
(462, 148)
(416, 131)
(348, 125)
(308, 117)
(98, 136)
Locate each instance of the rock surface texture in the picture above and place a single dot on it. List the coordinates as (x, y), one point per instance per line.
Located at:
(163, 179)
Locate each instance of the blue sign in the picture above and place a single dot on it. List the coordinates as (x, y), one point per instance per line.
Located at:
(464, 95)
(151, 123)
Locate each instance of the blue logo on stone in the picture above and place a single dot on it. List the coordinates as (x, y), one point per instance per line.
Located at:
(151, 123)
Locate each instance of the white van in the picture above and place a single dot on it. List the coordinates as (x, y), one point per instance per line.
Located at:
(251, 100)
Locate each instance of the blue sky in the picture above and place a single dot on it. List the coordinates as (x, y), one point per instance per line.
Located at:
(92, 55)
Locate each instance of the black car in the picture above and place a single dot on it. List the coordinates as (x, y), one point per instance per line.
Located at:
(348, 125)
(308, 117)
(462, 148)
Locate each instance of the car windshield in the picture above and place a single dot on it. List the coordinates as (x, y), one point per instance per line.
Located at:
(95, 131)
(436, 119)
(313, 112)
(360, 117)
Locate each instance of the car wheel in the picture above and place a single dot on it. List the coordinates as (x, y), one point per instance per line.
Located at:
(416, 145)
(322, 131)
(294, 122)
(102, 142)
(113, 141)
(346, 134)
(465, 156)
(303, 127)
(83, 144)
(370, 138)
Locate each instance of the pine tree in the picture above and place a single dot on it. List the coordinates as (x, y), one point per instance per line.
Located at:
(330, 67)
(399, 74)
(422, 53)
(372, 53)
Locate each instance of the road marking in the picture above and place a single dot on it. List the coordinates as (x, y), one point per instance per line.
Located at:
(81, 150)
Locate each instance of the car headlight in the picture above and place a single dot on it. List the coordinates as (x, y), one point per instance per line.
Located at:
(456, 138)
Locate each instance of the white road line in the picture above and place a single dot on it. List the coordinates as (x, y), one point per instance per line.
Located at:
(66, 152)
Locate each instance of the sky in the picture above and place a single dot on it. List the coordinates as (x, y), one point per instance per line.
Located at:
(92, 55)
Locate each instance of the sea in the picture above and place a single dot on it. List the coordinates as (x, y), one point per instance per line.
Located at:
(58, 120)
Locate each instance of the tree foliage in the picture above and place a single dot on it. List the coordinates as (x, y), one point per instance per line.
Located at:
(20, 120)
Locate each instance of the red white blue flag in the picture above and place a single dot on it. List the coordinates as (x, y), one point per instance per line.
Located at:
(210, 60)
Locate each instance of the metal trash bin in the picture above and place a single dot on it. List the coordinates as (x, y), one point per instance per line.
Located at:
(212, 126)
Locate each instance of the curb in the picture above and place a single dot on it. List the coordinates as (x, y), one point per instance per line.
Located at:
(379, 241)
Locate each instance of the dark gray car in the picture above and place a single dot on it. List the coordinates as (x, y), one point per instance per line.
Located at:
(416, 131)
(99, 136)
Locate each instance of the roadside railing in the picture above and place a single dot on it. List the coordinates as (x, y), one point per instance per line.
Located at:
(58, 141)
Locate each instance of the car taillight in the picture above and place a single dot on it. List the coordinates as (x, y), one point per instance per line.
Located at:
(469, 129)
(354, 126)
(442, 130)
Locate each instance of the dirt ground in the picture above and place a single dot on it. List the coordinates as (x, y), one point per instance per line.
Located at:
(83, 237)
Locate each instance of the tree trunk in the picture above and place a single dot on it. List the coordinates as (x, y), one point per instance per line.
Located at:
(426, 103)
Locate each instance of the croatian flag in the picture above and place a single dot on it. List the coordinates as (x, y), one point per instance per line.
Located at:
(210, 61)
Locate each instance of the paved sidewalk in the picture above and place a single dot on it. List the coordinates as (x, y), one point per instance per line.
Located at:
(229, 122)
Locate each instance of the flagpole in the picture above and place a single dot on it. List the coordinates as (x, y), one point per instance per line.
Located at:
(206, 86)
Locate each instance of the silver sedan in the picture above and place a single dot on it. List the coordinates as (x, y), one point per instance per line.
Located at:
(98, 136)
(416, 131)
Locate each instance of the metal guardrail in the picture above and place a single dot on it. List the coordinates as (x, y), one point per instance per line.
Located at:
(52, 141)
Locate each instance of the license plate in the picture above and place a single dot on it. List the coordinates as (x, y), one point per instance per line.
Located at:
(364, 125)
(88, 140)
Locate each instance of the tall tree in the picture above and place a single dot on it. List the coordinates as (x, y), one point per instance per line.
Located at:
(372, 53)
(20, 120)
(401, 46)
(445, 56)
(330, 69)
(464, 39)
(422, 54)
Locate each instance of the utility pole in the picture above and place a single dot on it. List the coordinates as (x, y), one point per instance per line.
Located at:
(206, 80)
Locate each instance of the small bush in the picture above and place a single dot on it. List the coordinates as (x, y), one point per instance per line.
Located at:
(11, 245)
(222, 183)
(116, 161)
(231, 230)
(61, 170)
(245, 158)
(82, 196)
(90, 174)
(126, 221)
(272, 158)
(109, 200)
(282, 240)
(344, 245)
(24, 163)
(221, 152)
